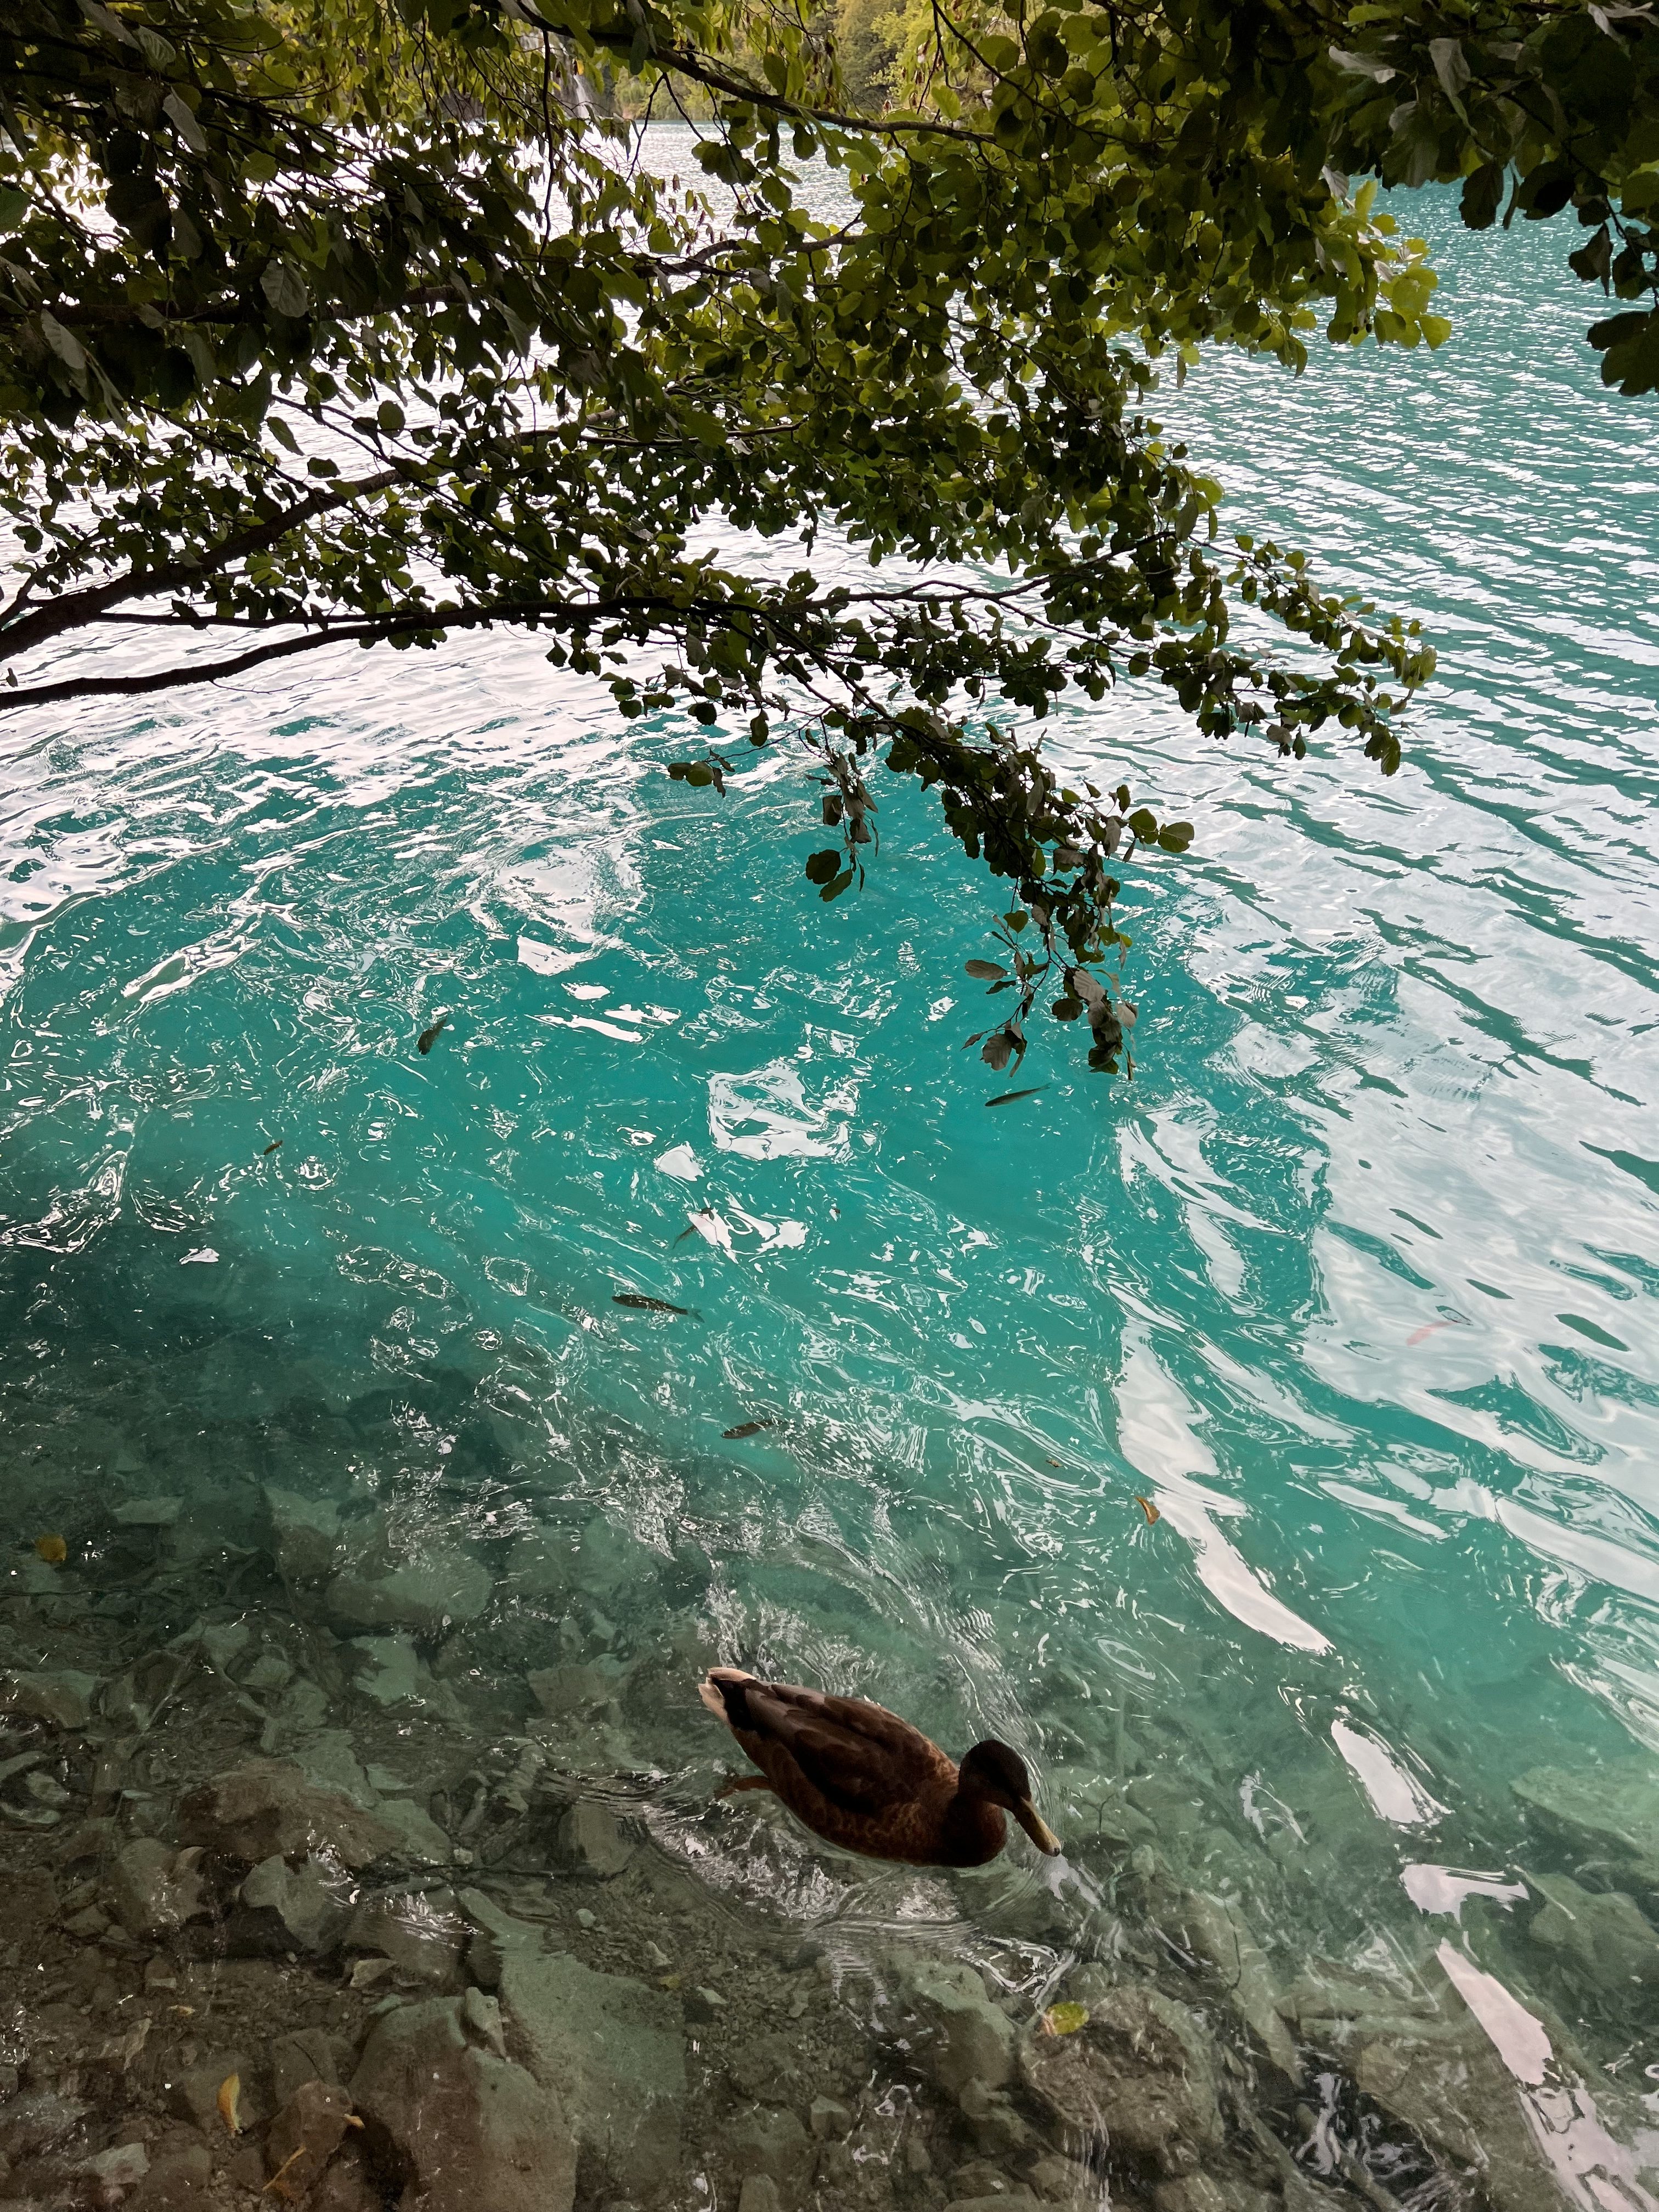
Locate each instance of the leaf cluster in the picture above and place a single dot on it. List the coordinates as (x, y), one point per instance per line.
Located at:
(330, 321)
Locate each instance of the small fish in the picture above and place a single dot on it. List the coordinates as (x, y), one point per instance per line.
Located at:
(642, 1304)
(1064, 2019)
(1054, 1462)
(1149, 1510)
(1007, 1098)
(52, 1549)
(275, 1146)
(749, 1428)
(1418, 1335)
(428, 1038)
(228, 2101)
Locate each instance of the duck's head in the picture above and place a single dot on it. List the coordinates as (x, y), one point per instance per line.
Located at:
(991, 1771)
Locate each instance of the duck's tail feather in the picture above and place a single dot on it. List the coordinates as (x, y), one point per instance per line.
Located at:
(722, 1691)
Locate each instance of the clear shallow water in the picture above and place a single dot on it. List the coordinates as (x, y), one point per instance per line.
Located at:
(1355, 1282)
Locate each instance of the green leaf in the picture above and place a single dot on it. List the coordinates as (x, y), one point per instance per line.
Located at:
(1483, 191)
(67, 348)
(283, 286)
(183, 122)
(984, 971)
(822, 866)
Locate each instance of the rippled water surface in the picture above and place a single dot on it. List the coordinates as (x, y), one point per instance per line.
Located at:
(1354, 1283)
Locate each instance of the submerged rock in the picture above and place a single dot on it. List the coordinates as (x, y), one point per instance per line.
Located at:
(590, 1837)
(330, 1760)
(347, 2184)
(1139, 2075)
(496, 1935)
(33, 1905)
(1607, 1936)
(964, 2037)
(305, 2135)
(1602, 1809)
(419, 1840)
(541, 1565)
(296, 1909)
(547, 1564)
(308, 2055)
(38, 2122)
(998, 2130)
(117, 2169)
(464, 2127)
(387, 1668)
(1063, 2180)
(420, 1932)
(148, 1513)
(62, 1701)
(443, 1589)
(766, 2071)
(156, 1889)
(305, 1535)
(615, 2052)
(574, 1690)
(1423, 2056)
(192, 2091)
(1219, 1934)
(269, 1808)
(774, 2144)
(178, 2180)
(830, 2120)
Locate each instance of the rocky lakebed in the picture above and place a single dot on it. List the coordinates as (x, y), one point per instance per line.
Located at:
(349, 1862)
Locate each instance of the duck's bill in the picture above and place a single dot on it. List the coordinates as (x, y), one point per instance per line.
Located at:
(1038, 1829)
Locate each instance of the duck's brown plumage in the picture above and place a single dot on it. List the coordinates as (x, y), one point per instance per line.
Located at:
(862, 1777)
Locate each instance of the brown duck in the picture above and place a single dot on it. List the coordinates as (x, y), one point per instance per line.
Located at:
(859, 1776)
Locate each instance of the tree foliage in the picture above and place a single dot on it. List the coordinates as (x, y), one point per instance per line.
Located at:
(330, 321)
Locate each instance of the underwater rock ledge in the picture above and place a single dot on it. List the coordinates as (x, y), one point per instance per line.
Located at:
(356, 1892)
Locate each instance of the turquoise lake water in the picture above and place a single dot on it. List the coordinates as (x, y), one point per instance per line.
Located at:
(1355, 1282)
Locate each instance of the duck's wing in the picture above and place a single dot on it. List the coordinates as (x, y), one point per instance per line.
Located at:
(859, 1756)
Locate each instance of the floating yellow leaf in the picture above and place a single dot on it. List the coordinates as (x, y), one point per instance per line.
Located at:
(1064, 2019)
(1148, 1509)
(52, 1549)
(230, 2091)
